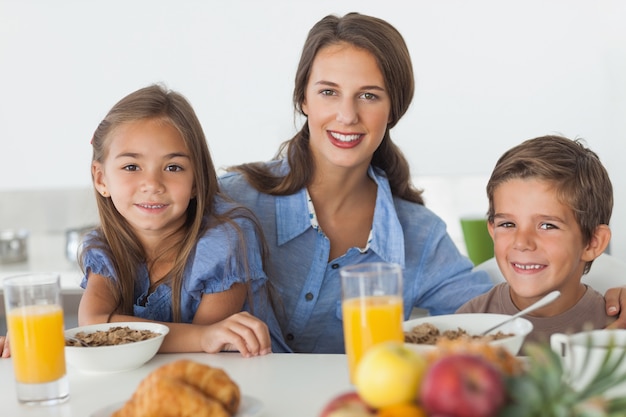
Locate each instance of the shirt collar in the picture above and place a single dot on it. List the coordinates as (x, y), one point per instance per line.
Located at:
(293, 219)
(292, 216)
(387, 233)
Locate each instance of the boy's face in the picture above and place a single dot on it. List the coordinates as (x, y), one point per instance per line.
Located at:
(537, 243)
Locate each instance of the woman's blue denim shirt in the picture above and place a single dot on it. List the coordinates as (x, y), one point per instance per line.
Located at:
(437, 277)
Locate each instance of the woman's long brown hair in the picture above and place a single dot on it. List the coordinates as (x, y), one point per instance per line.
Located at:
(387, 45)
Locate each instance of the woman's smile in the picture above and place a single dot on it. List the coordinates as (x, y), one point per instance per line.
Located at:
(347, 106)
(345, 140)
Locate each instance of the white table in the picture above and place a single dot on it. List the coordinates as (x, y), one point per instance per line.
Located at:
(288, 385)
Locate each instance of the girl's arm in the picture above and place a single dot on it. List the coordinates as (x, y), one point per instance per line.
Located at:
(230, 326)
(4, 346)
(222, 327)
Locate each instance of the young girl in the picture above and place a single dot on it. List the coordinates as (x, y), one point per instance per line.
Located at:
(170, 247)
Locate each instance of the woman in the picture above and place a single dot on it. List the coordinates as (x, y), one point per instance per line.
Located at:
(339, 192)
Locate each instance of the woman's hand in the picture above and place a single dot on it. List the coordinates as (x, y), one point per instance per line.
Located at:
(4, 346)
(240, 332)
(615, 301)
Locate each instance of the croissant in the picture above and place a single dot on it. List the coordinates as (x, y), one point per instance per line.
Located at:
(169, 397)
(213, 382)
(183, 389)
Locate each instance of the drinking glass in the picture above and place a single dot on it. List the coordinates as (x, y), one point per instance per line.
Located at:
(584, 354)
(371, 307)
(35, 323)
(478, 241)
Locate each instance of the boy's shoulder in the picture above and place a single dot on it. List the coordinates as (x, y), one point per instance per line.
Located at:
(592, 306)
(496, 300)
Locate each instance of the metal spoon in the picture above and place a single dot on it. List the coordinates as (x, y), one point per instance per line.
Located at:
(75, 339)
(547, 299)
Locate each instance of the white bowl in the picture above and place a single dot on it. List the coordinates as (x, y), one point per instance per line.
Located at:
(114, 358)
(474, 324)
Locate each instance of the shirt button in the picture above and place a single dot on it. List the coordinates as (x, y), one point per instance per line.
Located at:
(334, 266)
(308, 296)
(289, 336)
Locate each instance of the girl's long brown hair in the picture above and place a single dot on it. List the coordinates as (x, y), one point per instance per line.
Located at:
(387, 45)
(117, 238)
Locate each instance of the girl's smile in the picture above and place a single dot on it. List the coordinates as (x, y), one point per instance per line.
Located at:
(152, 207)
(149, 175)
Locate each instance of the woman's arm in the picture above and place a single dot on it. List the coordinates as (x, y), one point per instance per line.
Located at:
(615, 299)
(223, 328)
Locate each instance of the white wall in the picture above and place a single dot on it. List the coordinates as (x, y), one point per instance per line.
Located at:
(490, 73)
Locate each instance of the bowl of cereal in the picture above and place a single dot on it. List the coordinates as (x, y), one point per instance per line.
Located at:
(113, 347)
(424, 333)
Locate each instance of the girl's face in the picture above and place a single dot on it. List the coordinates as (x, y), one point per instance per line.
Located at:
(537, 242)
(347, 105)
(148, 174)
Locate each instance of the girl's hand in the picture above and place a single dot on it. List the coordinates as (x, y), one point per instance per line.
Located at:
(4, 346)
(240, 332)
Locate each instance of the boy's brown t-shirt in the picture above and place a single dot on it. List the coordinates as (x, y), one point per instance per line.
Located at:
(588, 313)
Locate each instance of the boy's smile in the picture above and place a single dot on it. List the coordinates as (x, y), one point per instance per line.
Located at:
(538, 243)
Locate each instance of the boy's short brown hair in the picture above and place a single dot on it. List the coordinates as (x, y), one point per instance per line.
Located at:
(581, 181)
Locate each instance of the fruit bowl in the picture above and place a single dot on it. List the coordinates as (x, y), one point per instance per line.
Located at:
(474, 324)
(468, 378)
(114, 358)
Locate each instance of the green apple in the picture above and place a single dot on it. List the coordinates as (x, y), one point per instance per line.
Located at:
(389, 373)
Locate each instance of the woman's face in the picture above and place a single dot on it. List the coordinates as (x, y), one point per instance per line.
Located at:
(347, 105)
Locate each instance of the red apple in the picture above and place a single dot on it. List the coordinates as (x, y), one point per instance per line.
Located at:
(463, 385)
(348, 404)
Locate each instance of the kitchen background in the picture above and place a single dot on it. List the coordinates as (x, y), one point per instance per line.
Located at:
(489, 73)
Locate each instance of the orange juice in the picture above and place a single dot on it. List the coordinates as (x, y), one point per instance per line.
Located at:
(368, 321)
(37, 343)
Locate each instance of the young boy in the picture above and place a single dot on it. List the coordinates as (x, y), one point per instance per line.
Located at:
(550, 202)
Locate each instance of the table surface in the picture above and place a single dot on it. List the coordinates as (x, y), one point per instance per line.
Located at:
(287, 384)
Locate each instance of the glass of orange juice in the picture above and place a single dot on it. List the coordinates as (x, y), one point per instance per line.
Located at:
(371, 306)
(35, 323)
